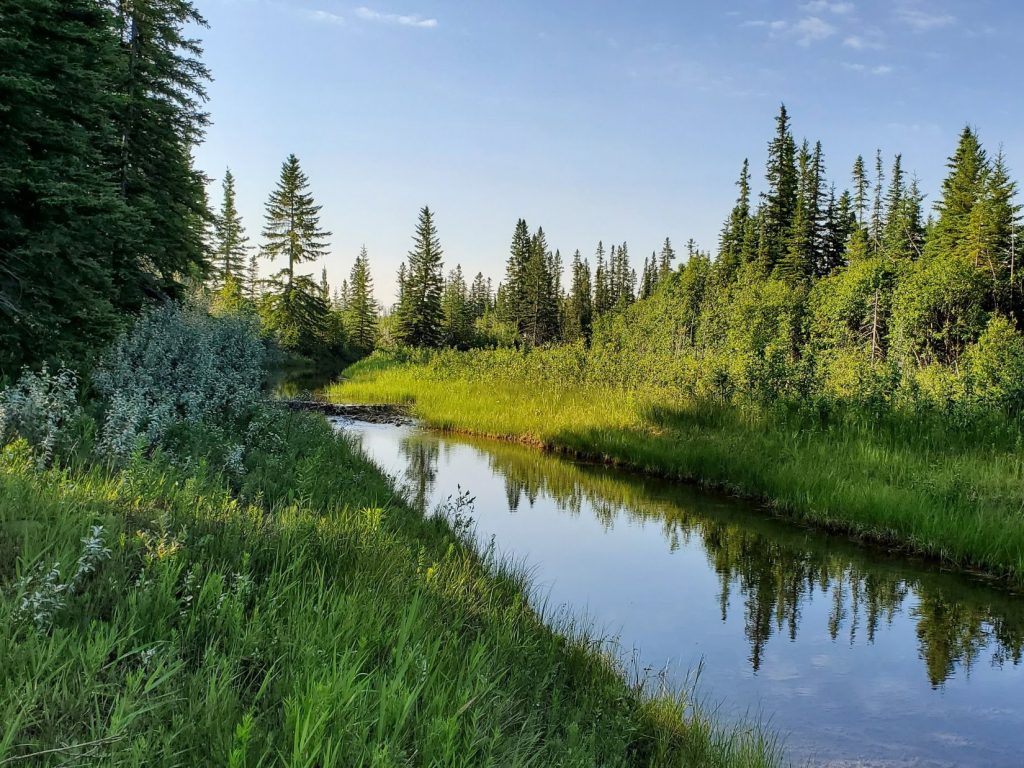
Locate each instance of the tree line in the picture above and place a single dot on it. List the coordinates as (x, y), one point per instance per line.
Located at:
(102, 210)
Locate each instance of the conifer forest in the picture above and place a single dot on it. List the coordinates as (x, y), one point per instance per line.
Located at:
(571, 508)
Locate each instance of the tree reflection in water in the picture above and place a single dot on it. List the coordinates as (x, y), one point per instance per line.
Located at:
(773, 569)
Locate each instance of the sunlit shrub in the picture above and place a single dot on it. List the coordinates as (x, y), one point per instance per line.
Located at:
(40, 407)
(177, 365)
(995, 367)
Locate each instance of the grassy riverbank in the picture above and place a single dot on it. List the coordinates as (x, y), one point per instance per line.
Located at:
(950, 493)
(280, 604)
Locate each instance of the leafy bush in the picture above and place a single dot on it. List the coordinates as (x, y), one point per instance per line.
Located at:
(40, 407)
(177, 366)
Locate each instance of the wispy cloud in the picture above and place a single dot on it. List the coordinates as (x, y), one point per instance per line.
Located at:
(863, 42)
(922, 19)
(325, 17)
(367, 14)
(824, 6)
(805, 31)
(812, 29)
(878, 69)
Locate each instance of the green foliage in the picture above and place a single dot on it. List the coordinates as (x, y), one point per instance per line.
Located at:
(360, 307)
(42, 409)
(913, 479)
(230, 243)
(419, 313)
(176, 366)
(292, 224)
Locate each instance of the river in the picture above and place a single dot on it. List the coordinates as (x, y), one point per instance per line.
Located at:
(854, 657)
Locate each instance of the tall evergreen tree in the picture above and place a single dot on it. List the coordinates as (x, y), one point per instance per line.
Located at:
(419, 310)
(539, 324)
(877, 207)
(602, 290)
(361, 308)
(860, 190)
(457, 322)
(160, 120)
(579, 312)
(63, 225)
(514, 296)
(962, 188)
(230, 243)
(780, 200)
(665, 259)
(480, 299)
(292, 223)
(799, 260)
(733, 243)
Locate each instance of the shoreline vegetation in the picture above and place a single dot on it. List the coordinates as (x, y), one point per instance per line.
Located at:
(915, 483)
(190, 574)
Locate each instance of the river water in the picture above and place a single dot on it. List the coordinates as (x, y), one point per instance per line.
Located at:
(853, 656)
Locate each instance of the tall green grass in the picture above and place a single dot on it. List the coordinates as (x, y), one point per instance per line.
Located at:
(302, 616)
(947, 491)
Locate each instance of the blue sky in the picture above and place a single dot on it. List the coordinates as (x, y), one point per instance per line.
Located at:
(597, 120)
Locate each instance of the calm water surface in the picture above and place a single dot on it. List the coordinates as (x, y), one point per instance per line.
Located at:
(856, 658)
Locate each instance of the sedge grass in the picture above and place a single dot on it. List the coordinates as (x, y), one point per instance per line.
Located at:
(919, 486)
(305, 617)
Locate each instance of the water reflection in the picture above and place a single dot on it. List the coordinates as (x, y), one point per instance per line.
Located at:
(774, 569)
(861, 658)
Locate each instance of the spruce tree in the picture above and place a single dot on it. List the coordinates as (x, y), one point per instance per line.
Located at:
(578, 315)
(877, 207)
(514, 296)
(665, 259)
(480, 299)
(860, 190)
(798, 262)
(962, 188)
(160, 119)
(295, 308)
(539, 323)
(360, 310)
(457, 322)
(292, 223)
(230, 243)
(781, 197)
(419, 310)
(602, 290)
(731, 247)
(62, 219)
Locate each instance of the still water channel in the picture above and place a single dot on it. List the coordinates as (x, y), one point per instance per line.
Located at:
(855, 657)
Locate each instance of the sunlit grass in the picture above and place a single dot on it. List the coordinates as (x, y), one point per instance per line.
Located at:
(918, 485)
(320, 622)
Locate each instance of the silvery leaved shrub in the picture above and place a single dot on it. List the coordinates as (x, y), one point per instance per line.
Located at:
(45, 594)
(176, 366)
(40, 407)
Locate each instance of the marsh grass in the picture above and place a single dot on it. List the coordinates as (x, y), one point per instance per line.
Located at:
(946, 490)
(299, 613)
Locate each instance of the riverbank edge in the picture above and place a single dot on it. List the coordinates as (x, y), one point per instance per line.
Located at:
(804, 515)
(659, 723)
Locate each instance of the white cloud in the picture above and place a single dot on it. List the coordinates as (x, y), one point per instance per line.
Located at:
(823, 6)
(775, 26)
(325, 17)
(366, 14)
(862, 42)
(805, 31)
(879, 69)
(812, 29)
(923, 20)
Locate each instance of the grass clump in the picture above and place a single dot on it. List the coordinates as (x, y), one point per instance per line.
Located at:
(290, 610)
(914, 482)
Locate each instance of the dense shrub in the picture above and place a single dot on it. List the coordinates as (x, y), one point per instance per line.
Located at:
(40, 408)
(177, 366)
